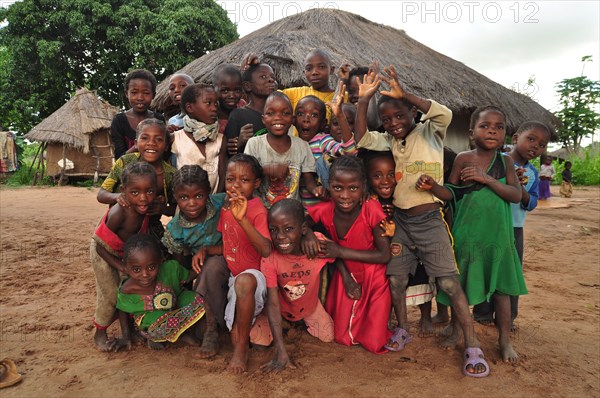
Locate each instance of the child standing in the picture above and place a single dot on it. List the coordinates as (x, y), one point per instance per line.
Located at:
(106, 248)
(358, 299)
(258, 82)
(177, 83)
(140, 89)
(292, 281)
(227, 80)
(162, 310)
(566, 188)
(421, 234)
(285, 159)
(547, 173)
(530, 140)
(151, 142)
(199, 142)
(481, 186)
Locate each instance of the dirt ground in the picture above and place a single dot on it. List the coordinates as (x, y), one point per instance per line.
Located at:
(47, 300)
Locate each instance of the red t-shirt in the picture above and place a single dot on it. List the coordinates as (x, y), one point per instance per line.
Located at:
(237, 248)
(297, 279)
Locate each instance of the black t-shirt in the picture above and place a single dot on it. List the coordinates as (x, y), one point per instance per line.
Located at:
(240, 117)
(122, 135)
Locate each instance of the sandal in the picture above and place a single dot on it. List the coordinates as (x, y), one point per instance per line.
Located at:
(8, 375)
(398, 340)
(474, 356)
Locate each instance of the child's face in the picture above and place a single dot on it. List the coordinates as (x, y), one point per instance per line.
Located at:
(277, 116)
(151, 143)
(176, 86)
(334, 127)
(142, 266)
(568, 166)
(489, 130)
(286, 232)
(346, 191)
(309, 120)
(317, 70)
(531, 143)
(140, 191)
(263, 81)
(229, 91)
(382, 177)
(397, 118)
(352, 89)
(191, 201)
(139, 95)
(241, 177)
(205, 107)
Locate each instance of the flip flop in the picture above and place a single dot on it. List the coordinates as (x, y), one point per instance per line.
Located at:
(400, 337)
(474, 356)
(8, 375)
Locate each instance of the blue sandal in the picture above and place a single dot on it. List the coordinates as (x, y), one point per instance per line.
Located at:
(474, 356)
(398, 340)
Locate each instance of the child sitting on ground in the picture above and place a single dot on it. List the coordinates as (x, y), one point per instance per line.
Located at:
(292, 281)
(199, 142)
(106, 248)
(140, 89)
(566, 188)
(151, 142)
(227, 80)
(177, 83)
(162, 310)
(286, 160)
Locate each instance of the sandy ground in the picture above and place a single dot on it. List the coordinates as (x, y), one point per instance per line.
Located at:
(47, 302)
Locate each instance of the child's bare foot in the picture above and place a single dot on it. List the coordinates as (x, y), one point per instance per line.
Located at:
(508, 353)
(426, 327)
(440, 318)
(239, 361)
(447, 330)
(454, 339)
(513, 327)
(153, 345)
(210, 344)
(102, 342)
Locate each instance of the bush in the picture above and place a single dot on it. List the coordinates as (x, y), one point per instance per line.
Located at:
(23, 177)
(585, 169)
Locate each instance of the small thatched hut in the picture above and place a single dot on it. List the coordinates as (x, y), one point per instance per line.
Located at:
(78, 132)
(351, 38)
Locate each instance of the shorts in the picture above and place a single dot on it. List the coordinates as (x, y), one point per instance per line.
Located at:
(260, 296)
(423, 237)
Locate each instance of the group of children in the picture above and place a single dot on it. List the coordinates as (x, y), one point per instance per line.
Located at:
(285, 205)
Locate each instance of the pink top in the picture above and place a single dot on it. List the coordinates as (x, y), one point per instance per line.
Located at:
(110, 240)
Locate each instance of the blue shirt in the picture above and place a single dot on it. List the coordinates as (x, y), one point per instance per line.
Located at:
(518, 210)
(181, 234)
(177, 120)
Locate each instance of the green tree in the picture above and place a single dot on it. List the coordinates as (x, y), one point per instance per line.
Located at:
(579, 98)
(51, 47)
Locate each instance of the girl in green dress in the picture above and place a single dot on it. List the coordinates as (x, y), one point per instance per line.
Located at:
(481, 187)
(161, 308)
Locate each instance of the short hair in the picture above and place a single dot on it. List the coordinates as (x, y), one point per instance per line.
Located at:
(359, 71)
(370, 156)
(351, 164)
(568, 163)
(191, 174)
(138, 169)
(403, 102)
(249, 160)
(279, 94)
(289, 206)
(532, 125)
(247, 75)
(322, 53)
(152, 122)
(191, 93)
(141, 74)
(185, 77)
(477, 112)
(316, 100)
(141, 242)
(226, 70)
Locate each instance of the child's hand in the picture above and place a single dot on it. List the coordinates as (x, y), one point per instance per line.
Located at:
(473, 173)
(369, 85)
(338, 100)
(198, 260)
(374, 66)
(310, 245)
(173, 128)
(344, 72)
(246, 132)
(353, 288)
(425, 183)
(388, 210)
(329, 249)
(155, 207)
(233, 145)
(396, 90)
(122, 201)
(319, 192)
(238, 204)
(278, 363)
(249, 59)
(523, 179)
(388, 227)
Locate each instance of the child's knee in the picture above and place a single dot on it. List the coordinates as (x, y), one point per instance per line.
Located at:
(398, 283)
(245, 284)
(449, 285)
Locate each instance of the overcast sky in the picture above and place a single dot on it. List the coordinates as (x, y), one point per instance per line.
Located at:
(507, 41)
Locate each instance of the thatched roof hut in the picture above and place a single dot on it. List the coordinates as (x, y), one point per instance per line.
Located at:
(349, 37)
(79, 131)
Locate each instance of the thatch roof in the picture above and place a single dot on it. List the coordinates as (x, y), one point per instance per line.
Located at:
(349, 37)
(72, 123)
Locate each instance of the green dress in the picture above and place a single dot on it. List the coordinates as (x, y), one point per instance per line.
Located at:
(168, 312)
(484, 242)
